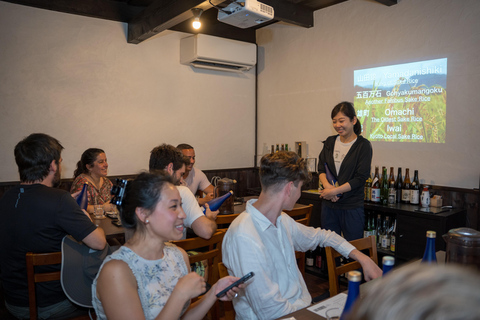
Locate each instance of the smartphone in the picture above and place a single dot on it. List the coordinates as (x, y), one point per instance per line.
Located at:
(235, 284)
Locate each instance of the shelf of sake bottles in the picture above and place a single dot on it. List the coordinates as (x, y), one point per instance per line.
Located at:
(412, 224)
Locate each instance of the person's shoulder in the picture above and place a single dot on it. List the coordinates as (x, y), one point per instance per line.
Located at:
(330, 139)
(184, 191)
(81, 178)
(40, 188)
(198, 171)
(364, 142)
(242, 224)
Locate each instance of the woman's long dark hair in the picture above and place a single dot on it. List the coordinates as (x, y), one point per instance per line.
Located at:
(88, 157)
(347, 109)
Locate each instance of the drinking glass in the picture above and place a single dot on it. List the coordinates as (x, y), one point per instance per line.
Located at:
(112, 211)
(333, 314)
(98, 212)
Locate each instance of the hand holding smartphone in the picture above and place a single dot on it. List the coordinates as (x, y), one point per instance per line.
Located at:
(235, 284)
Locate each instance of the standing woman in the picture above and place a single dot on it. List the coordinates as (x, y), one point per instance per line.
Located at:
(349, 157)
(92, 169)
(148, 277)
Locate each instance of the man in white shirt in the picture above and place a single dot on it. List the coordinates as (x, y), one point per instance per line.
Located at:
(168, 158)
(194, 178)
(263, 239)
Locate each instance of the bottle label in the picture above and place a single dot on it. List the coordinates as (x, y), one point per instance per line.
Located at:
(405, 195)
(375, 195)
(310, 262)
(392, 196)
(392, 244)
(414, 196)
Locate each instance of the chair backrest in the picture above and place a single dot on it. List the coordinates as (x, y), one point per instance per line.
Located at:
(209, 250)
(41, 259)
(301, 215)
(227, 305)
(224, 220)
(334, 271)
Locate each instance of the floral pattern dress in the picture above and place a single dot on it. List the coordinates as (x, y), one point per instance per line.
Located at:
(156, 279)
(95, 196)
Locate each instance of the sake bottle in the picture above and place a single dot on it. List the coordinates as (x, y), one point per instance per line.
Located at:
(376, 187)
(82, 198)
(384, 187)
(216, 203)
(368, 189)
(415, 189)
(388, 262)
(354, 279)
(398, 185)
(393, 238)
(392, 193)
(406, 187)
(430, 256)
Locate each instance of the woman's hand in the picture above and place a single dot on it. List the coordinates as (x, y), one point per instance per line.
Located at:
(190, 286)
(224, 283)
(329, 193)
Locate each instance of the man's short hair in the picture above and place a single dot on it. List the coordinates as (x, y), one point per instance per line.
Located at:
(279, 168)
(34, 154)
(184, 146)
(163, 155)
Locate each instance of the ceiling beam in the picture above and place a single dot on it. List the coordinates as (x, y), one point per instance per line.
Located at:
(291, 13)
(388, 2)
(105, 9)
(162, 15)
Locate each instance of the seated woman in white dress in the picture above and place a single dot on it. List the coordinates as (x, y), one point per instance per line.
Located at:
(149, 278)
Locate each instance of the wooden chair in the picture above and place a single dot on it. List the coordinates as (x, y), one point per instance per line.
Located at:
(228, 309)
(42, 259)
(210, 251)
(301, 215)
(224, 220)
(334, 271)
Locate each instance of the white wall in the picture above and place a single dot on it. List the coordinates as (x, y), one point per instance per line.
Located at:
(304, 73)
(77, 79)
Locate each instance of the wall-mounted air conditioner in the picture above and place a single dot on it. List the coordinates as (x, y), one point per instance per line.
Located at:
(209, 52)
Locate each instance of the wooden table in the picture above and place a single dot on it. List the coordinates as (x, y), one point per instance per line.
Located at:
(111, 230)
(304, 314)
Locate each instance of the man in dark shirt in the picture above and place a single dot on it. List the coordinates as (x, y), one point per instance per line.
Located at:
(35, 216)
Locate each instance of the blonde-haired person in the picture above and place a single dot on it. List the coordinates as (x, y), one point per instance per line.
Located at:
(422, 292)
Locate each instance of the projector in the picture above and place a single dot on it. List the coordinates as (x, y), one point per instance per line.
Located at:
(247, 15)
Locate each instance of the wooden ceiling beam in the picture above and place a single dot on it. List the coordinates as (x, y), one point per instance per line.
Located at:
(162, 15)
(291, 13)
(105, 9)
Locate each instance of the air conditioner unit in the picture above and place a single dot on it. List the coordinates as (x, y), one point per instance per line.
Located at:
(245, 14)
(209, 52)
